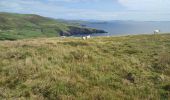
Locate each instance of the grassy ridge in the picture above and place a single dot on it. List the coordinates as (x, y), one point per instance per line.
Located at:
(128, 67)
(20, 26)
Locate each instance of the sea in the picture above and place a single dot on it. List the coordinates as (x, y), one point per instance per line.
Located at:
(116, 28)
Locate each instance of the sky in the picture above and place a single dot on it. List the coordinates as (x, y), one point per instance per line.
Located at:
(141, 10)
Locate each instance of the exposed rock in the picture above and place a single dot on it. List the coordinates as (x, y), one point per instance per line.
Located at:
(130, 77)
(80, 31)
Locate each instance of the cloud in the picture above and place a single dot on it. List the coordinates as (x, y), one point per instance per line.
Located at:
(73, 1)
(52, 8)
(146, 9)
(92, 9)
(146, 5)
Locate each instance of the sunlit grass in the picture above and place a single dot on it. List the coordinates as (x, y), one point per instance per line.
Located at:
(101, 68)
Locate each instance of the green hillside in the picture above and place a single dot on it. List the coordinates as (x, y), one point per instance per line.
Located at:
(18, 26)
(101, 68)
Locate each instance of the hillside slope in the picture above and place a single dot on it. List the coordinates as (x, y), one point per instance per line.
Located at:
(108, 68)
(17, 26)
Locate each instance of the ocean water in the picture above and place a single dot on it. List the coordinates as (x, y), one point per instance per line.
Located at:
(130, 27)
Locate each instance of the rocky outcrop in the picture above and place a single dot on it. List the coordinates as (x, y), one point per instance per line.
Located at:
(80, 31)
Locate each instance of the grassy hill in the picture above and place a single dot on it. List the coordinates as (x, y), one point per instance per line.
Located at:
(101, 68)
(18, 26)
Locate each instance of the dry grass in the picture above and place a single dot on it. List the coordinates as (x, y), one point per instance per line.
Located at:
(107, 68)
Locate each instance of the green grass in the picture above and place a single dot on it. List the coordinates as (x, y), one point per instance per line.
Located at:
(21, 26)
(101, 68)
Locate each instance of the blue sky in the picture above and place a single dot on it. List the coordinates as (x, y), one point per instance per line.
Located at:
(142, 10)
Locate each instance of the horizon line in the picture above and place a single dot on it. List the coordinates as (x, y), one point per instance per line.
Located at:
(98, 20)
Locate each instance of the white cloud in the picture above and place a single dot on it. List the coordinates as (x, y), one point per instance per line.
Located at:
(51, 9)
(133, 9)
(74, 0)
(146, 5)
(146, 9)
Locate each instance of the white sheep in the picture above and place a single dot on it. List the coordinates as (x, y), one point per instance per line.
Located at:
(63, 36)
(88, 37)
(156, 31)
(84, 38)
